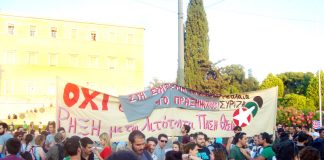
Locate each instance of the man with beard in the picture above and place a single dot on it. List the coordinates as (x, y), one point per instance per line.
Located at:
(137, 143)
(151, 144)
(267, 153)
(203, 151)
(86, 149)
(230, 144)
(4, 136)
(238, 151)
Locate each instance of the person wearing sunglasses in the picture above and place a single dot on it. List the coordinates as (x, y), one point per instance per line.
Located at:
(161, 147)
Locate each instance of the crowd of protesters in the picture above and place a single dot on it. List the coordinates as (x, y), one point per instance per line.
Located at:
(289, 143)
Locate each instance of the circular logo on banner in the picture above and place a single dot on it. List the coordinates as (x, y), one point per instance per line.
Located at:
(252, 105)
(242, 117)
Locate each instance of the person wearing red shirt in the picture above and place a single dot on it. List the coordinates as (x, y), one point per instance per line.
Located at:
(105, 142)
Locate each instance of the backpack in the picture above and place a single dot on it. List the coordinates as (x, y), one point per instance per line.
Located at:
(28, 155)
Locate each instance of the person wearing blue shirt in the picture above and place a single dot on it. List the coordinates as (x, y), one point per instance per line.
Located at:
(4, 136)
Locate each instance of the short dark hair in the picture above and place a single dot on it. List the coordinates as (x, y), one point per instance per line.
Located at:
(71, 146)
(237, 128)
(122, 155)
(193, 135)
(187, 128)
(13, 146)
(60, 129)
(285, 150)
(302, 137)
(189, 146)
(58, 137)
(135, 133)
(177, 143)
(310, 153)
(320, 130)
(4, 125)
(237, 137)
(306, 127)
(28, 138)
(266, 136)
(298, 126)
(162, 135)
(152, 139)
(85, 141)
(173, 155)
(44, 133)
(201, 133)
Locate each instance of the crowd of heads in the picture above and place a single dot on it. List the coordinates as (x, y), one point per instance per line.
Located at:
(287, 144)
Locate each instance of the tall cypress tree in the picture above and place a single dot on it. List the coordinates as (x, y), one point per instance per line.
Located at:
(196, 46)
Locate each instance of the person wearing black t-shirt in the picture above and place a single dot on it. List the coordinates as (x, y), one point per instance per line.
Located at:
(203, 151)
(86, 146)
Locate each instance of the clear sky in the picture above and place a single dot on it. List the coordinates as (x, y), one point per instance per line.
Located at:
(267, 36)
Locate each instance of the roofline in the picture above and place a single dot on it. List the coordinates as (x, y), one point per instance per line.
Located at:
(65, 20)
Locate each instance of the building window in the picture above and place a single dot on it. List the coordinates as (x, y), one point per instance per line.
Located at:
(112, 36)
(30, 88)
(10, 57)
(93, 36)
(31, 58)
(53, 59)
(32, 31)
(11, 29)
(112, 62)
(130, 38)
(73, 33)
(53, 32)
(93, 61)
(130, 64)
(9, 87)
(74, 60)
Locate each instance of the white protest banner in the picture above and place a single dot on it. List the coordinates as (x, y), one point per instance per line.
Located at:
(85, 112)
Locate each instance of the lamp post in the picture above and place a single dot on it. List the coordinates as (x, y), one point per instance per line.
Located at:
(180, 73)
(320, 96)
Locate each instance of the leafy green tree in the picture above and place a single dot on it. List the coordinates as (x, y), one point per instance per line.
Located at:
(235, 72)
(296, 82)
(196, 46)
(236, 75)
(250, 84)
(312, 89)
(215, 83)
(237, 82)
(272, 81)
(299, 102)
